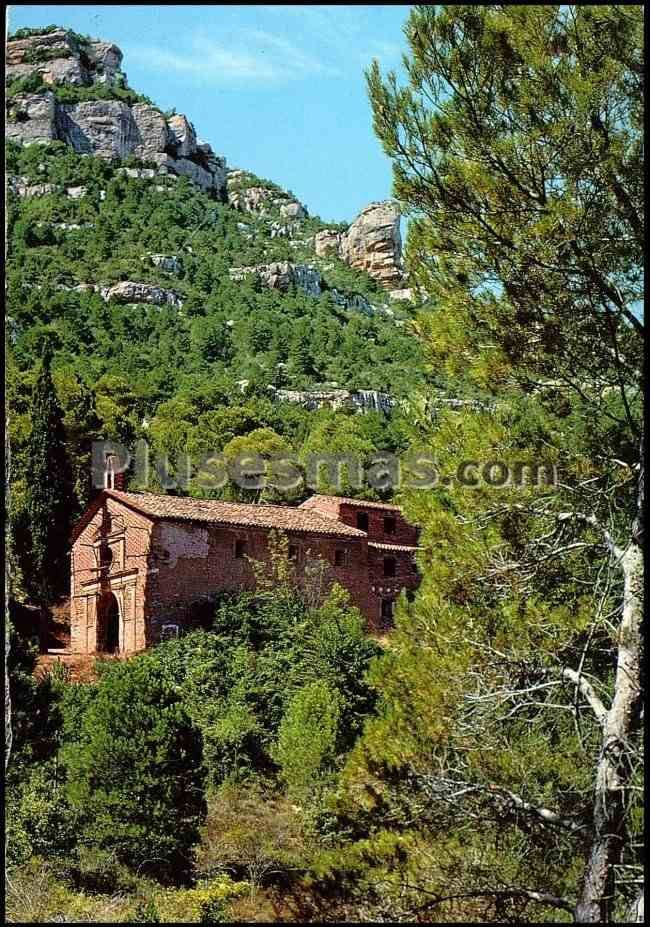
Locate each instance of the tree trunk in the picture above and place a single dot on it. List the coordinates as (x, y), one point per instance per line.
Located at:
(43, 628)
(8, 731)
(615, 763)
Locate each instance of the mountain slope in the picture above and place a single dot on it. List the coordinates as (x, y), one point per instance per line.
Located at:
(186, 303)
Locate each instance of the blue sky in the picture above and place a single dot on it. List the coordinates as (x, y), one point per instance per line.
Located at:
(278, 90)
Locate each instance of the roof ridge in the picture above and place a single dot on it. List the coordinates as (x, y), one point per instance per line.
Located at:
(241, 514)
(364, 502)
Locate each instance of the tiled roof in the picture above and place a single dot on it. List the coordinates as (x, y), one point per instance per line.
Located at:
(389, 547)
(364, 503)
(281, 517)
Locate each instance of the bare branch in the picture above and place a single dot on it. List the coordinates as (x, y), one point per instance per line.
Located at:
(587, 691)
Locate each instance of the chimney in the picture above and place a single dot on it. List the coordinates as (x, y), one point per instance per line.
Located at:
(113, 474)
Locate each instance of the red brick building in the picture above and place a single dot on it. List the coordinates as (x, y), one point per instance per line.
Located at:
(143, 564)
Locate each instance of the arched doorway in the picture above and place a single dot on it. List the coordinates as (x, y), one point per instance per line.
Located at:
(108, 637)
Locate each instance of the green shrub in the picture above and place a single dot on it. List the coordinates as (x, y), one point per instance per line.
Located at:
(134, 772)
(28, 31)
(307, 738)
(28, 83)
(38, 55)
(146, 912)
(39, 819)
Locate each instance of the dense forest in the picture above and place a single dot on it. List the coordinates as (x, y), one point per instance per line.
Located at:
(193, 379)
(484, 761)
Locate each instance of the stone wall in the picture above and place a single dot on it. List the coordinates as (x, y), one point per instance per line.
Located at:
(190, 563)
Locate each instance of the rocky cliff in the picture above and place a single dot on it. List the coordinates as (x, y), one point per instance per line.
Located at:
(115, 129)
(61, 57)
(107, 128)
(262, 201)
(363, 400)
(372, 243)
(280, 275)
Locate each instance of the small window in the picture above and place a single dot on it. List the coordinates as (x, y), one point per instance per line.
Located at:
(389, 566)
(362, 521)
(387, 611)
(293, 552)
(240, 549)
(340, 557)
(169, 632)
(389, 524)
(105, 556)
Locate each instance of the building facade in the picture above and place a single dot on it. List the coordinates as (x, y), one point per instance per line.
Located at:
(144, 565)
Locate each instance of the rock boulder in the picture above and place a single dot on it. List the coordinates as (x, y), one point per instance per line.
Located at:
(280, 275)
(372, 243)
(130, 292)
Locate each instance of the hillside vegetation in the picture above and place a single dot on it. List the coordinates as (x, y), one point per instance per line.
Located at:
(484, 762)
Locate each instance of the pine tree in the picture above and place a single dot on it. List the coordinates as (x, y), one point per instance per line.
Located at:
(508, 747)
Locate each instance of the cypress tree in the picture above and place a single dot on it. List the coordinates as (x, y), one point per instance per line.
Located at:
(49, 490)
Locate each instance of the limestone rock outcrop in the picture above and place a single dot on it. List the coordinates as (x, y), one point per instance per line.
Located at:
(328, 242)
(22, 187)
(364, 400)
(152, 131)
(250, 199)
(372, 243)
(168, 145)
(110, 129)
(284, 229)
(114, 130)
(292, 209)
(170, 263)
(75, 193)
(351, 301)
(139, 173)
(183, 136)
(261, 200)
(280, 275)
(403, 295)
(128, 291)
(62, 58)
(106, 62)
(32, 118)
(101, 127)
